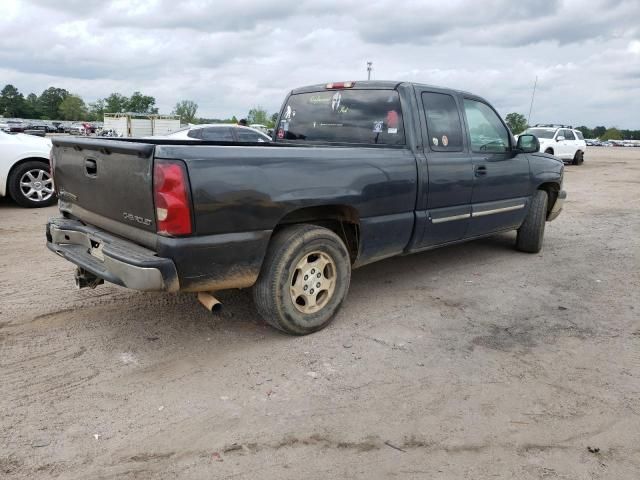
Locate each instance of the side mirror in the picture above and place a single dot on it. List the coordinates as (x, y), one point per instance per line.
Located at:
(559, 138)
(528, 143)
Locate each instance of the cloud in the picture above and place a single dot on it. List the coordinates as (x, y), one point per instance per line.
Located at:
(230, 56)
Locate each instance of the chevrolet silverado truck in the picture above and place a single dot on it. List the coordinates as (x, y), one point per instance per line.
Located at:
(355, 172)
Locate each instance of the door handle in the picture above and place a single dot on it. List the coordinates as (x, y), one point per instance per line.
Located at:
(480, 170)
(91, 167)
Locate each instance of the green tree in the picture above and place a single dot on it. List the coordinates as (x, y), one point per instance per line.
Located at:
(586, 131)
(140, 103)
(32, 106)
(598, 132)
(73, 108)
(258, 115)
(517, 122)
(12, 103)
(612, 134)
(96, 110)
(116, 103)
(187, 110)
(274, 119)
(50, 100)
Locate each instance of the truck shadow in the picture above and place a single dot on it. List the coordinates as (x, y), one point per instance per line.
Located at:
(182, 315)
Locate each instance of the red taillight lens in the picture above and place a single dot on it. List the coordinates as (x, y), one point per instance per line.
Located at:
(170, 191)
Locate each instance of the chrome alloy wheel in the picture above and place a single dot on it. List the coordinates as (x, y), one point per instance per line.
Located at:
(313, 282)
(36, 185)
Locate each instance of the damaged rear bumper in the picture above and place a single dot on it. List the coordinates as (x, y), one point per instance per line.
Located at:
(111, 258)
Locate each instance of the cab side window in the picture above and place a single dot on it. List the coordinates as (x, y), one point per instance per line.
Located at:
(444, 128)
(488, 134)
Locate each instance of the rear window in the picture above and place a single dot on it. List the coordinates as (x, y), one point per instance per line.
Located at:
(349, 116)
(541, 132)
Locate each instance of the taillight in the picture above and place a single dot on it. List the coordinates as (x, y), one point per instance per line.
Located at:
(170, 192)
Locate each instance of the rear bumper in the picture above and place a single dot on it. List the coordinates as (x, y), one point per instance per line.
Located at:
(557, 207)
(111, 258)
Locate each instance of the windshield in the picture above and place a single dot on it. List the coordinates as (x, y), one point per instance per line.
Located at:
(541, 132)
(350, 116)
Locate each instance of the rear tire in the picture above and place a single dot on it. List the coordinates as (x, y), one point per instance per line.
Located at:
(304, 279)
(549, 151)
(531, 232)
(30, 185)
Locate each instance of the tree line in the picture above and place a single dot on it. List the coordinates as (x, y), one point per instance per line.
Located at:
(517, 122)
(59, 104)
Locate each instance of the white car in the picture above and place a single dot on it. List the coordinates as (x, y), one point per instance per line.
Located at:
(218, 132)
(24, 170)
(561, 141)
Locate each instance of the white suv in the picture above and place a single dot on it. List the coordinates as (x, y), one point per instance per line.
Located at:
(561, 141)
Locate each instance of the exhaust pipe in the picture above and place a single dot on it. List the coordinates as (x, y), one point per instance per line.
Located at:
(86, 279)
(209, 302)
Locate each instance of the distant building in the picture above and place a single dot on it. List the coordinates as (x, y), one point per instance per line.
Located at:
(131, 124)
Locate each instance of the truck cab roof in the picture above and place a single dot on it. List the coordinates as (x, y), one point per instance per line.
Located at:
(374, 85)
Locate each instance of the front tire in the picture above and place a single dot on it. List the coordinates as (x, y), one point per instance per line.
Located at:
(531, 232)
(31, 186)
(578, 158)
(304, 279)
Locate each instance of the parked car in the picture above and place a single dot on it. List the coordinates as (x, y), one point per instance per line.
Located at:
(77, 128)
(218, 132)
(24, 170)
(357, 172)
(15, 126)
(37, 130)
(561, 141)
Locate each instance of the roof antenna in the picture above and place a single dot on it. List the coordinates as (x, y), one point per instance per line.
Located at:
(532, 95)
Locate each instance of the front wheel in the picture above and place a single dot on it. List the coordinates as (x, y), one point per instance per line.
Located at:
(304, 279)
(531, 232)
(578, 158)
(31, 185)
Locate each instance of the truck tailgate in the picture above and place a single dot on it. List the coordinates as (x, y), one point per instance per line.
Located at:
(104, 181)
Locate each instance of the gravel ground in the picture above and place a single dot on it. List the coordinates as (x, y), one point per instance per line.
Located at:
(473, 361)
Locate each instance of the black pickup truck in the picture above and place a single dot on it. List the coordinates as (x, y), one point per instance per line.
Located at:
(356, 172)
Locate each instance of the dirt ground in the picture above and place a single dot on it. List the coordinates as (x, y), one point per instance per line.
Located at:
(473, 361)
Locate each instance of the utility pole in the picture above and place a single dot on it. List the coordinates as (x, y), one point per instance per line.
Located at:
(369, 64)
(532, 95)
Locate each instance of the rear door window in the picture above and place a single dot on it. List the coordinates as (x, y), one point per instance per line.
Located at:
(579, 134)
(568, 135)
(249, 136)
(343, 116)
(217, 134)
(444, 128)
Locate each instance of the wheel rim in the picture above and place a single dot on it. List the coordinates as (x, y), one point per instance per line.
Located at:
(36, 185)
(313, 282)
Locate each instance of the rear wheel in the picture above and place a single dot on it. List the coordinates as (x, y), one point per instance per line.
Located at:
(304, 279)
(531, 232)
(31, 185)
(549, 151)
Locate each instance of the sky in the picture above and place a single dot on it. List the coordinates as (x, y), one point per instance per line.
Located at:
(229, 56)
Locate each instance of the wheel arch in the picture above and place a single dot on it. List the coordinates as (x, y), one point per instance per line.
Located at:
(343, 220)
(16, 165)
(552, 189)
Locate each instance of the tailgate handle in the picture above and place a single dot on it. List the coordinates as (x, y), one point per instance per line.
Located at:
(91, 167)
